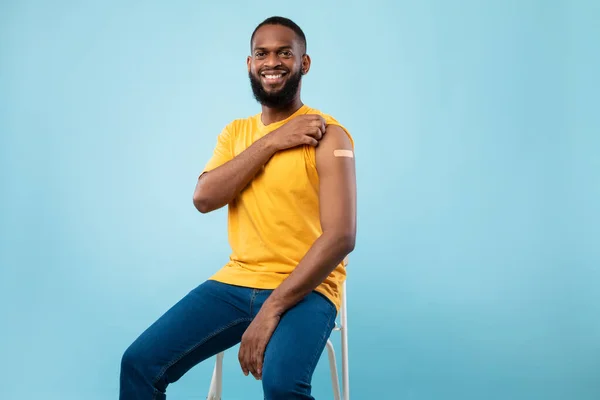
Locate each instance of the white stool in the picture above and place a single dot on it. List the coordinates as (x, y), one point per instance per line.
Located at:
(216, 384)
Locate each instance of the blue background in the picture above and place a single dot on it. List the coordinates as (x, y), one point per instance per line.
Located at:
(477, 268)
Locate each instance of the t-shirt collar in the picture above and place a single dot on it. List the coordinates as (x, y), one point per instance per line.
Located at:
(302, 110)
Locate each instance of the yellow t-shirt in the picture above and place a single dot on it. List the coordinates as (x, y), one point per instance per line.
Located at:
(275, 220)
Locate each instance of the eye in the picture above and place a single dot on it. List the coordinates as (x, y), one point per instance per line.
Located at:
(286, 53)
(259, 54)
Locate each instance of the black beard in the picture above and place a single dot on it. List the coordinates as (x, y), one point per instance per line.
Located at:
(282, 97)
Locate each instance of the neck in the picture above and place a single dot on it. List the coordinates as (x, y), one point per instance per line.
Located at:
(271, 115)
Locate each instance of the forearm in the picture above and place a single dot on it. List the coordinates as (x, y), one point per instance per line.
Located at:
(321, 259)
(220, 186)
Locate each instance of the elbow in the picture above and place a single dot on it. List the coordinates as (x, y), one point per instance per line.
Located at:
(205, 204)
(346, 241)
(201, 201)
(201, 204)
(349, 243)
(200, 198)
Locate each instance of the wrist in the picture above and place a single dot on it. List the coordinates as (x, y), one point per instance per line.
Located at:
(270, 143)
(272, 307)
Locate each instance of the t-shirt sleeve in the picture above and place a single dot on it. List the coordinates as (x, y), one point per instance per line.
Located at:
(223, 151)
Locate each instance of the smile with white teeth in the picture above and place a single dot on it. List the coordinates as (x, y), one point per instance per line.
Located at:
(273, 78)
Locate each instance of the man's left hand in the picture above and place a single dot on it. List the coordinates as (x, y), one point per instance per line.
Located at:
(255, 340)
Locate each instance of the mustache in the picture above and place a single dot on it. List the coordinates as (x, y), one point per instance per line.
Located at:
(273, 69)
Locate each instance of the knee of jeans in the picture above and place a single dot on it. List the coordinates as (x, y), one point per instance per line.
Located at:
(129, 358)
(282, 387)
(133, 359)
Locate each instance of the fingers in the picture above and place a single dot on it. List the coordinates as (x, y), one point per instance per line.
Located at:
(317, 121)
(253, 364)
(242, 359)
(322, 124)
(315, 132)
(311, 141)
(258, 361)
(250, 361)
(319, 134)
(310, 128)
(313, 136)
(319, 118)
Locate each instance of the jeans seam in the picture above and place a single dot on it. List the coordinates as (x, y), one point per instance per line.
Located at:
(195, 346)
(252, 298)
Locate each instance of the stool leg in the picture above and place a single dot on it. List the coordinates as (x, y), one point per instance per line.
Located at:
(216, 383)
(344, 332)
(333, 367)
(345, 374)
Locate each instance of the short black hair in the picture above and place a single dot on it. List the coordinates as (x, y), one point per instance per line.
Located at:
(284, 22)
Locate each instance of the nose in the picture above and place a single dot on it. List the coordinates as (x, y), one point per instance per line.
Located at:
(272, 60)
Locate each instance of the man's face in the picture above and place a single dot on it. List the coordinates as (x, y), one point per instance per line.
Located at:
(276, 65)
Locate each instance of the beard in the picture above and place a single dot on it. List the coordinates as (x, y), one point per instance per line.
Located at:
(280, 98)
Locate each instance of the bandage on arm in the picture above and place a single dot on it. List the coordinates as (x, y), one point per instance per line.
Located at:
(343, 153)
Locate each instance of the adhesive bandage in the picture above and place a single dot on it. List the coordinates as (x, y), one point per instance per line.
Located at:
(343, 153)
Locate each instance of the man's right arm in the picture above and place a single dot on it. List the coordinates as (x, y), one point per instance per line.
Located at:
(221, 185)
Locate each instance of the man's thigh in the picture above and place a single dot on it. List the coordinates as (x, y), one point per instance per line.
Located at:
(208, 320)
(296, 346)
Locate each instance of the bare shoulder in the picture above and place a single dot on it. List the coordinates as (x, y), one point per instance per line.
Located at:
(335, 152)
(335, 137)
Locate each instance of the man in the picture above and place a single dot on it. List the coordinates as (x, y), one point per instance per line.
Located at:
(288, 178)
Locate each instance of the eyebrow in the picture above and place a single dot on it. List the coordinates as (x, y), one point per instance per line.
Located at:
(278, 48)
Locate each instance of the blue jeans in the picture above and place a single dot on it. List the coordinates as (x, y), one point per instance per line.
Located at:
(212, 318)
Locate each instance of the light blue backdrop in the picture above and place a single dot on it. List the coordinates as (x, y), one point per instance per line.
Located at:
(476, 273)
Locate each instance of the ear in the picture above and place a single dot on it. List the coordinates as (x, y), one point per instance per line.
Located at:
(305, 64)
(249, 62)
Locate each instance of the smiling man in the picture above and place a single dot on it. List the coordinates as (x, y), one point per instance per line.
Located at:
(287, 176)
